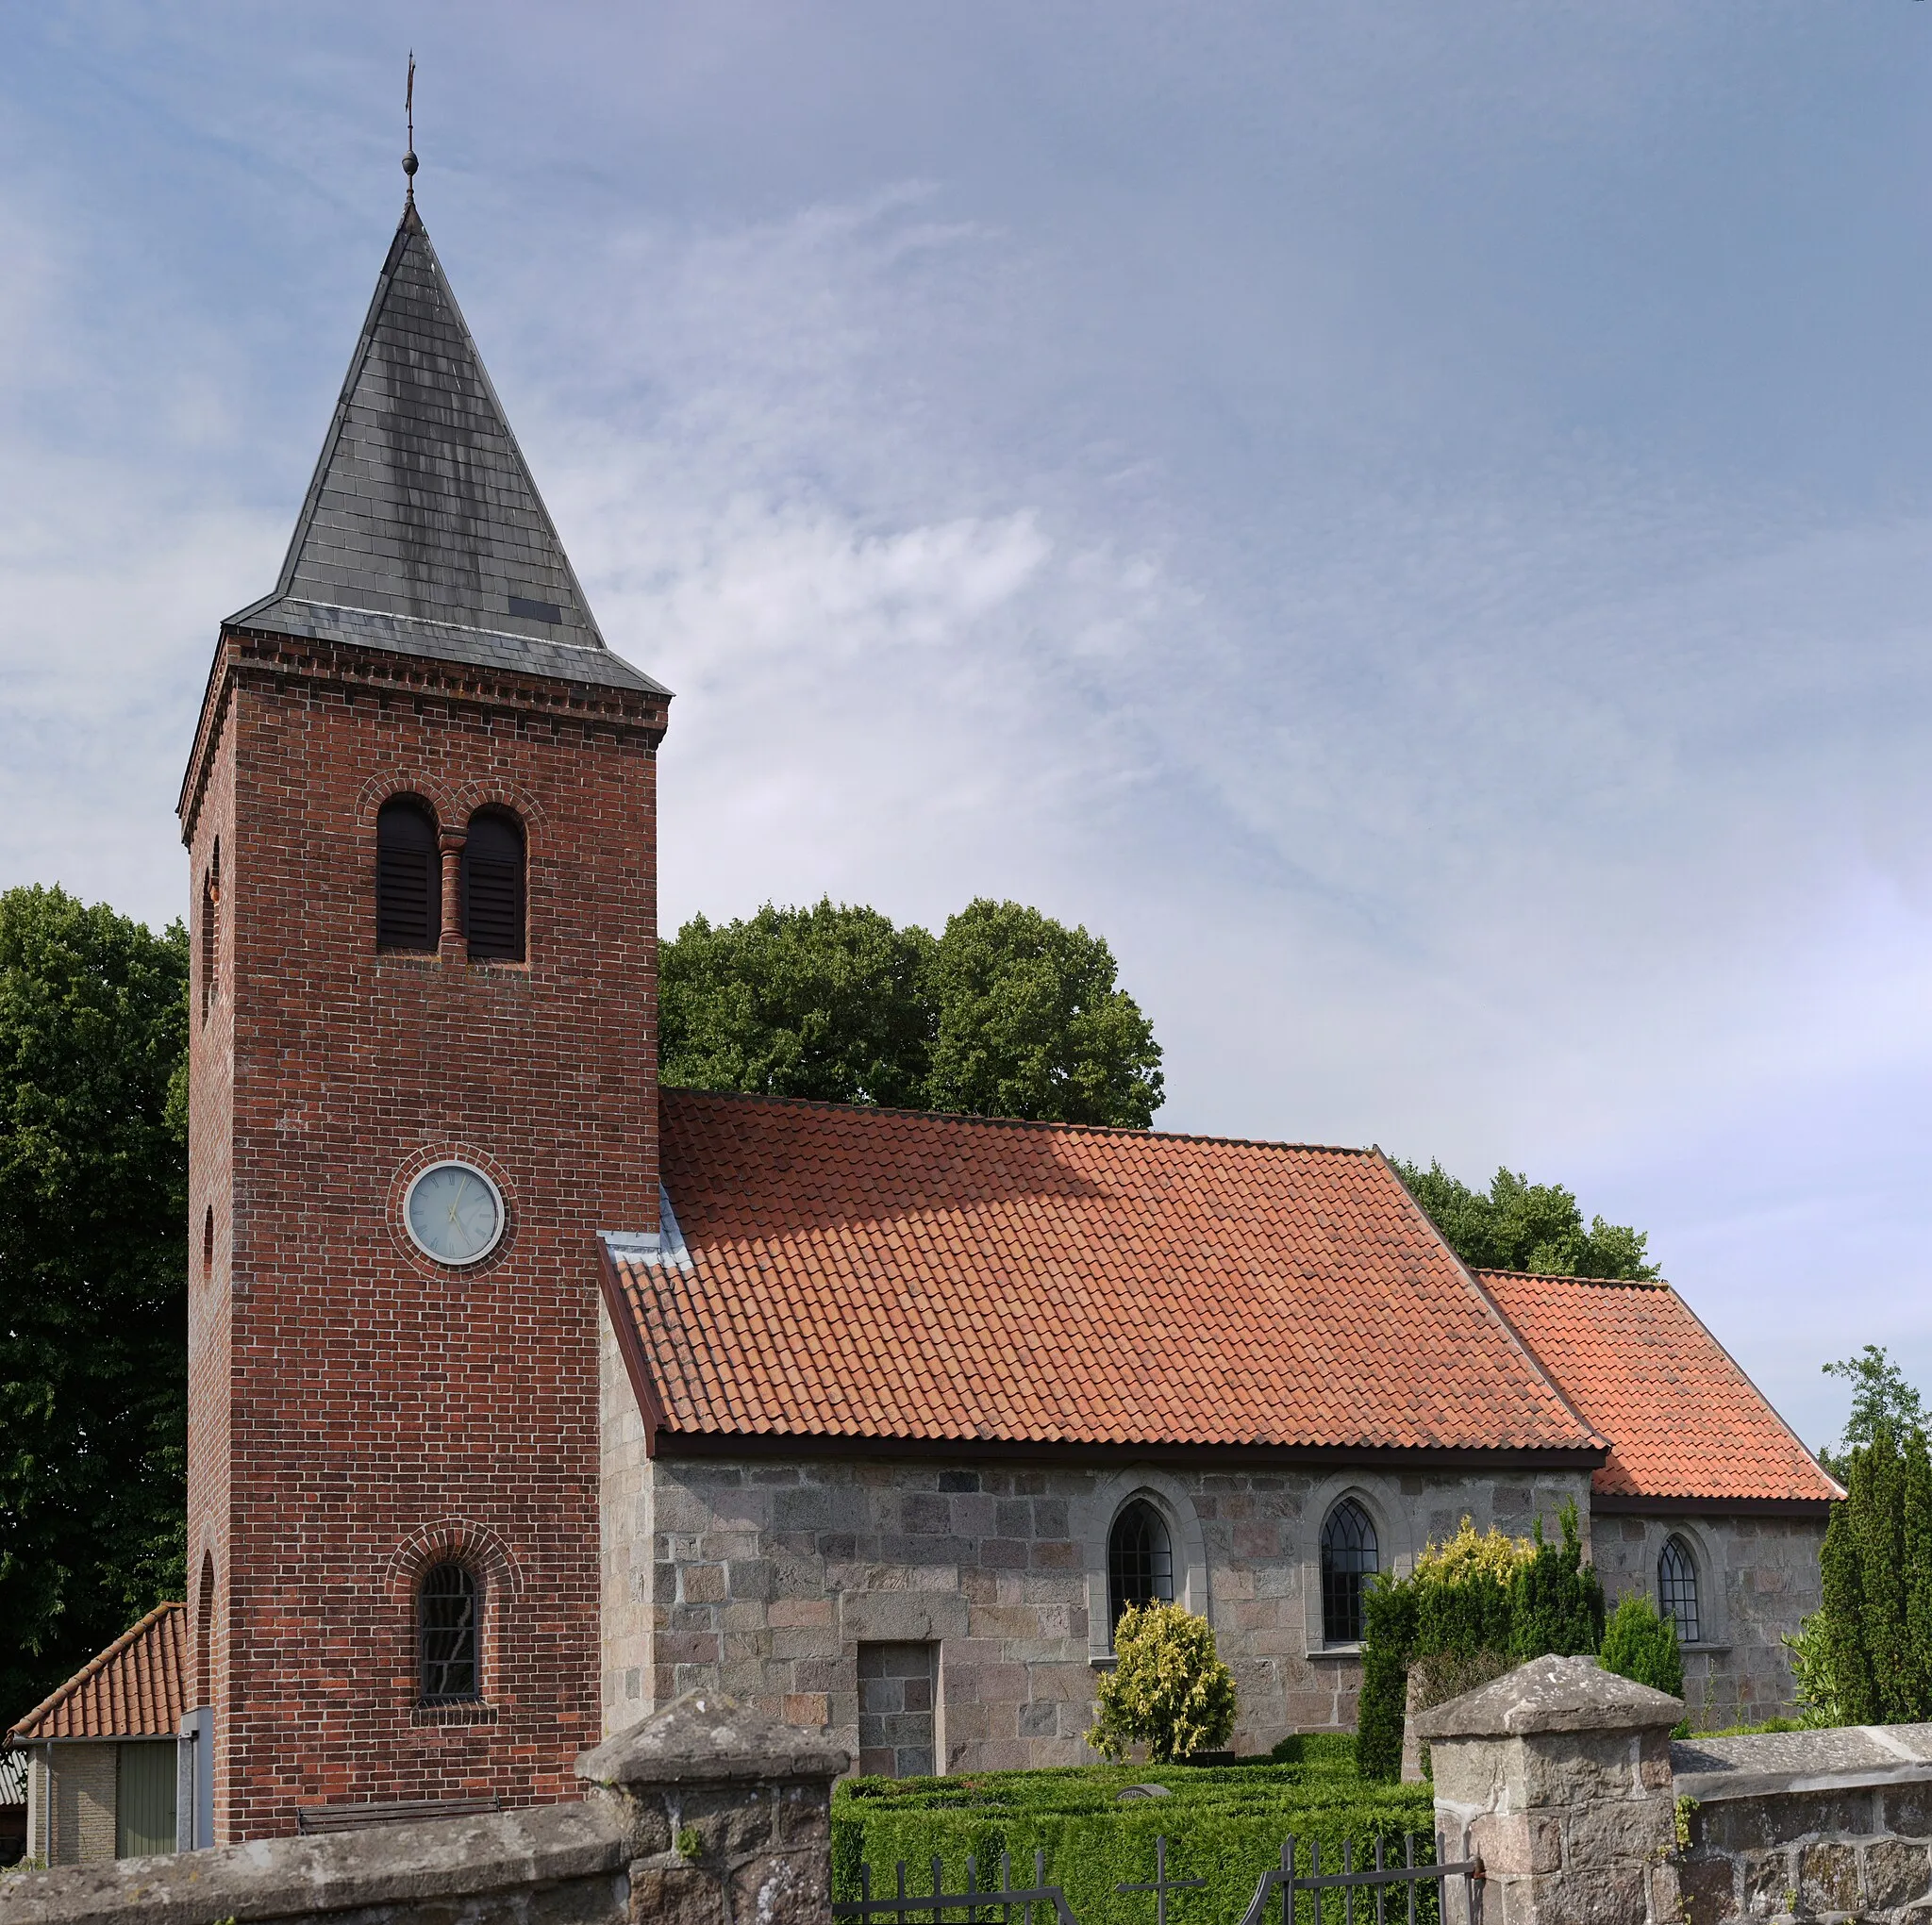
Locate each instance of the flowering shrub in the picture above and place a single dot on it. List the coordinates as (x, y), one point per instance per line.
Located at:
(1169, 1689)
(1462, 1556)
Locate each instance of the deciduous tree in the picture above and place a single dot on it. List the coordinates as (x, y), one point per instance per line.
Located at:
(829, 1002)
(94, 1376)
(1516, 1224)
(1031, 1023)
(1006, 1013)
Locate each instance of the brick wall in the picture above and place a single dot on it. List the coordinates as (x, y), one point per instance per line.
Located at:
(357, 1410)
(211, 1200)
(81, 1805)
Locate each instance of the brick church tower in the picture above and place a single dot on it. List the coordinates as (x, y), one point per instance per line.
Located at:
(420, 807)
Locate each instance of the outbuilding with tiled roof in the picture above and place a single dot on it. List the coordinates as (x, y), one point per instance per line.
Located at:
(103, 1752)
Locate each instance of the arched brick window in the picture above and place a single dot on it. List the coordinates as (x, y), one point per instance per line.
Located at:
(208, 1245)
(1139, 1560)
(448, 1610)
(1350, 1557)
(1676, 1587)
(409, 875)
(493, 887)
(205, 1634)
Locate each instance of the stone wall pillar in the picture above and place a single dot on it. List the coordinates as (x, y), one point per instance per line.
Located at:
(727, 1814)
(1558, 1777)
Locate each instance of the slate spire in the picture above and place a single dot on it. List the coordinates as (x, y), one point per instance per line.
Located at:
(423, 530)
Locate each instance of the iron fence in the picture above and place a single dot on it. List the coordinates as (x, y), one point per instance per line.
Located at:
(977, 1901)
(1352, 1884)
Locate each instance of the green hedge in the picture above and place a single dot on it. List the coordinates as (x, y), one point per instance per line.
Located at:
(1225, 1824)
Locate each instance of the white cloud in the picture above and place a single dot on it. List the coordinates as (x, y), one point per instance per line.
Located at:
(1420, 535)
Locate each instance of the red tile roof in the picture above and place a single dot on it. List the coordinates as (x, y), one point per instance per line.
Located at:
(882, 1273)
(134, 1689)
(1683, 1420)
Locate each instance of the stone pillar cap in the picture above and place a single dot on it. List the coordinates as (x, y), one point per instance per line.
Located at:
(1551, 1694)
(707, 1738)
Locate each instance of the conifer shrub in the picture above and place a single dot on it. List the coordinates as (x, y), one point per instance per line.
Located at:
(1865, 1656)
(1167, 1689)
(1641, 1645)
(1476, 1606)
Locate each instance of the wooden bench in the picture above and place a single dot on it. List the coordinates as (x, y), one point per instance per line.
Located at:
(312, 1819)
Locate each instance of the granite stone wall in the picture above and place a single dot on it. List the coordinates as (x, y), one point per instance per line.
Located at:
(1556, 1777)
(1807, 1825)
(1757, 1579)
(762, 1577)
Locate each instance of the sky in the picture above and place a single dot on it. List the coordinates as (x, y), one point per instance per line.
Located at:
(1415, 523)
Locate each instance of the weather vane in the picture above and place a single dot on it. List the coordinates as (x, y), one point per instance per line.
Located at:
(410, 161)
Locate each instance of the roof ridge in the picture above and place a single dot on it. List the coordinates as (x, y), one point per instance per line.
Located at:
(1474, 1277)
(1554, 1276)
(94, 1665)
(1014, 1122)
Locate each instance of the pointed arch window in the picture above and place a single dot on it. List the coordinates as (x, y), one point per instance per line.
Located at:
(1139, 1560)
(1350, 1557)
(446, 1613)
(408, 877)
(1676, 1588)
(493, 887)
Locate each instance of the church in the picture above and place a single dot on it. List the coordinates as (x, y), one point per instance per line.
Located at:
(525, 1395)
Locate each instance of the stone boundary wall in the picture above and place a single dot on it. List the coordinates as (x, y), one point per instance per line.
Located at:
(1563, 1782)
(707, 1814)
(1558, 1777)
(1800, 1825)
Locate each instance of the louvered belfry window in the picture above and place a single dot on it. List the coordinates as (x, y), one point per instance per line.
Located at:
(493, 888)
(446, 1636)
(408, 877)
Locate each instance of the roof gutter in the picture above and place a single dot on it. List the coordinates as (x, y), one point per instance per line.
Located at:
(1624, 1504)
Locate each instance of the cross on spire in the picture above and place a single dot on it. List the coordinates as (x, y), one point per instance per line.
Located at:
(410, 161)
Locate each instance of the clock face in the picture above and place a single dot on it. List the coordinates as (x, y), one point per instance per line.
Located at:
(455, 1213)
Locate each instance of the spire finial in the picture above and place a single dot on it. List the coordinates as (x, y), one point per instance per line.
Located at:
(410, 161)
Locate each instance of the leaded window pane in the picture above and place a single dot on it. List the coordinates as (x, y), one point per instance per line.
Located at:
(1139, 1561)
(1350, 1557)
(446, 1634)
(1676, 1588)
